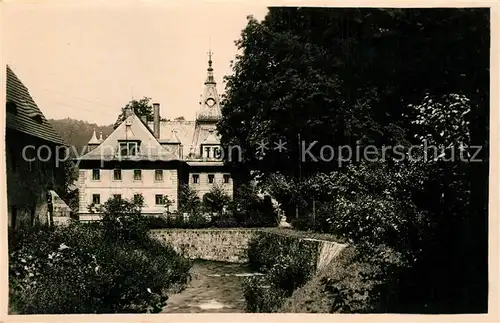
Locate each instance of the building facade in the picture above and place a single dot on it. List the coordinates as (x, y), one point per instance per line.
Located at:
(154, 159)
(34, 176)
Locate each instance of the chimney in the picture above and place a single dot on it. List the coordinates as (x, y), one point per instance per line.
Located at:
(128, 111)
(156, 120)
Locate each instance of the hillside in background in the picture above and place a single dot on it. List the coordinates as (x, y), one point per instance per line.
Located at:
(77, 133)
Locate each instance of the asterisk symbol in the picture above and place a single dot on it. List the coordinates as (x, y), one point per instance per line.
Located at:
(262, 147)
(280, 146)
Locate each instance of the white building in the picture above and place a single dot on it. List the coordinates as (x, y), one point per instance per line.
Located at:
(155, 159)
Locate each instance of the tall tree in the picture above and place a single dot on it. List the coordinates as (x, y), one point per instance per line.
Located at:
(342, 75)
(142, 108)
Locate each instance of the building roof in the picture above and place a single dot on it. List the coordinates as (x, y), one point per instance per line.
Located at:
(94, 140)
(132, 129)
(204, 162)
(184, 131)
(27, 117)
(211, 138)
(172, 139)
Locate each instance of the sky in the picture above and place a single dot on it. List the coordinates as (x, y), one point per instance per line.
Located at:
(87, 59)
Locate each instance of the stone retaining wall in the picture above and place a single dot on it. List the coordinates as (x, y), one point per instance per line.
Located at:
(230, 244)
(209, 244)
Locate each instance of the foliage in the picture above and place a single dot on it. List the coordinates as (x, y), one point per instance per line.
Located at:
(141, 108)
(349, 286)
(195, 221)
(336, 75)
(247, 206)
(167, 202)
(247, 209)
(261, 297)
(198, 221)
(442, 121)
(189, 201)
(79, 269)
(122, 218)
(216, 199)
(287, 262)
(77, 133)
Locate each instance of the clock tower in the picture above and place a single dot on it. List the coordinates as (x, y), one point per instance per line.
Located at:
(208, 114)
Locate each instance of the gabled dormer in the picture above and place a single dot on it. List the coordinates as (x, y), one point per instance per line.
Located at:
(210, 146)
(132, 140)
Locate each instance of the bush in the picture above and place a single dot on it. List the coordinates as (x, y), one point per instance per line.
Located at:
(189, 201)
(288, 263)
(216, 199)
(198, 221)
(251, 210)
(178, 221)
(260, 297)
(92, 268)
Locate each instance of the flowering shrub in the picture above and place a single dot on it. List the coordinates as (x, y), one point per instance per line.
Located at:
(79, 269)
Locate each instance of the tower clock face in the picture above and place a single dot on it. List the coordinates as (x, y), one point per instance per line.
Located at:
(210, 102)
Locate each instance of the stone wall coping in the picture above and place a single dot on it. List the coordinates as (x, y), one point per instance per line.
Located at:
(272, 230)
(207, 230)
(318, 240)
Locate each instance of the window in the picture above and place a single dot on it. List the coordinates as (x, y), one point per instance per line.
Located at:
(211, 179)
(117, 174)
(137, 175)
(207, 149)
(226, 178)
(159, 175)
(117, 196)
(96, 174)
(96, 198)
(158, 199)
(129, 148)
(196, 178)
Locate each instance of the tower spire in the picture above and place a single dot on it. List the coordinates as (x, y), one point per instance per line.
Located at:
(210, 70)
(209, 109)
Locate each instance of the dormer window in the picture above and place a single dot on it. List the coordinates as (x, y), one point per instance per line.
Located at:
(129, 148)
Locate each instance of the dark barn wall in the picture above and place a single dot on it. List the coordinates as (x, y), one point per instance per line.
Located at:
(29, 182)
